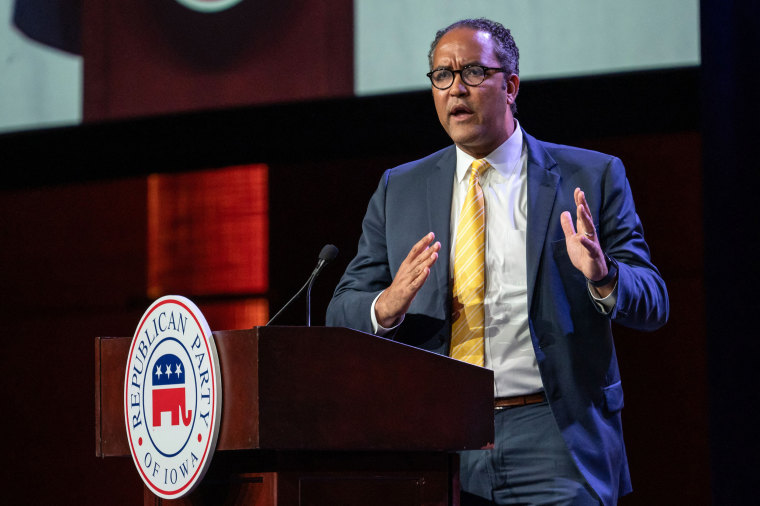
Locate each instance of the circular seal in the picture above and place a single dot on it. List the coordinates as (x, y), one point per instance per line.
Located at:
(209, 5)
(172, 397)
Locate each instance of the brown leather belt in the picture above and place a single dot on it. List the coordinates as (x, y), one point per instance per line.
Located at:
(518, 400)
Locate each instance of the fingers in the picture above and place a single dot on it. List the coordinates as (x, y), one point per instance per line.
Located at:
(586, 241)
(567, 225)
(419, 274)
(416, 267)
(412, 274)
(422, 255)
(420, 245)
(581, 239)
(583, 229)
(585, 222)
(589, 245)
(586, 231)
(422, 252)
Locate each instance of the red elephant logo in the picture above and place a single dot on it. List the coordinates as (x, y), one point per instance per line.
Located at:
(169, 391)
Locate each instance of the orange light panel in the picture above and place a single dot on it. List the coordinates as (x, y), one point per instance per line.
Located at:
(208, 232)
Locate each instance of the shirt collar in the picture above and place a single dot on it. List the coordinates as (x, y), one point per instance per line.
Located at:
(504, 158)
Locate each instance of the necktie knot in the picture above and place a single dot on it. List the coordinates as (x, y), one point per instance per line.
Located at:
(479, 167)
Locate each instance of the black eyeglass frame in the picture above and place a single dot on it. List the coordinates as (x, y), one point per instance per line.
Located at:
(454, 72)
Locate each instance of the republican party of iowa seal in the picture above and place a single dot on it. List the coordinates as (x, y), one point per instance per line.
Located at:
(172, 397)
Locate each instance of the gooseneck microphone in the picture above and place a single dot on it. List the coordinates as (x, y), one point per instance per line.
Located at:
(327, 255)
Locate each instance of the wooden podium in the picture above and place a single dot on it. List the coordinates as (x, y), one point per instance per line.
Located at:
(323, 416)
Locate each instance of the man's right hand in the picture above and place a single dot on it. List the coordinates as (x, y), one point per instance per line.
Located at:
(394, 302)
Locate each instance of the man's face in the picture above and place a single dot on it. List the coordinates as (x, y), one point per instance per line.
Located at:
(477, 118)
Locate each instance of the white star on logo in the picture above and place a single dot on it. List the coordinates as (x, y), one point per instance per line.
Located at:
(178, 370)
(168, 370)
(158, 371)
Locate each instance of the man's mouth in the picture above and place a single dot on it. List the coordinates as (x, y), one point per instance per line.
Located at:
(460, 112)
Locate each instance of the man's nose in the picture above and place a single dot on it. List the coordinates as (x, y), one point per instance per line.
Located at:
(458, 88)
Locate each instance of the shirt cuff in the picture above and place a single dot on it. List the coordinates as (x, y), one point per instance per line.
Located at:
(605, 304)
(377, 329)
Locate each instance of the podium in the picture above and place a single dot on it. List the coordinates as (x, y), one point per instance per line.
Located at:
(322, 416)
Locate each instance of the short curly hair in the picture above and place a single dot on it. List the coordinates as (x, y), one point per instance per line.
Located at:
(505, 47)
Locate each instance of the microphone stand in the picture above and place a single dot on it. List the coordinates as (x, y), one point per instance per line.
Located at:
(328, 253)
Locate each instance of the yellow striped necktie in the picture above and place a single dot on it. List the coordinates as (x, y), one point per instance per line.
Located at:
(467, 334)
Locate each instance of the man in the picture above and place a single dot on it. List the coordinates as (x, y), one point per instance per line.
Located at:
(513, 282)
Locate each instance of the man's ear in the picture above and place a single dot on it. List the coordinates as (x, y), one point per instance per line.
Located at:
(513, 86)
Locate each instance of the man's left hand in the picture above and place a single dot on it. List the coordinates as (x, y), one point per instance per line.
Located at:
(583, 246)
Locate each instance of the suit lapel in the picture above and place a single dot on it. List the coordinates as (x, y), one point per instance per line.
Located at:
(439, 191)
(542, 192)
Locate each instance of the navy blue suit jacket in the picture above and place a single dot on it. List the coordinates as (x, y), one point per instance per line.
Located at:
(572, 339)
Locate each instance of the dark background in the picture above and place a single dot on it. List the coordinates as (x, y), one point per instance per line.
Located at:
(73, 237)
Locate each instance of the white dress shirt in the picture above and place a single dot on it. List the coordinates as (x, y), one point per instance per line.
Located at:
(508, 348)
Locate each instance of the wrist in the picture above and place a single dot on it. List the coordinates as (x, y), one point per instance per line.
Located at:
(382, 317)
(612, 272)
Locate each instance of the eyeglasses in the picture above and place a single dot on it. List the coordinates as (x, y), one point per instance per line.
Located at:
(472, 75)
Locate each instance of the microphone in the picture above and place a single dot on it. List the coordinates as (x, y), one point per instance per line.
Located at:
(327, 255)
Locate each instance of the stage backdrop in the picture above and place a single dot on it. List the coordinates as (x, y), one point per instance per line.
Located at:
(144, 57)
